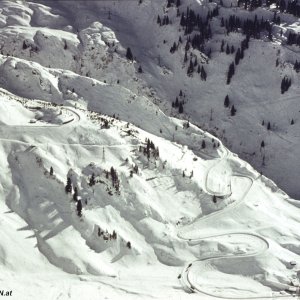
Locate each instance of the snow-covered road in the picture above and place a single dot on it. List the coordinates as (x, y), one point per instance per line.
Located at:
(193, 275)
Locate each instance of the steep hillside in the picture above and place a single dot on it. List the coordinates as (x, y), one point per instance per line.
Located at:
(91, 38)
(118, 180)
(145, 203)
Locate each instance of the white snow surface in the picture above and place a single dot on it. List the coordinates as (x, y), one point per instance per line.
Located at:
(70, 100)
(90, 38)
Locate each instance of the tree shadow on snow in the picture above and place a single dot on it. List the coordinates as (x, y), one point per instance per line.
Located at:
(56, 230)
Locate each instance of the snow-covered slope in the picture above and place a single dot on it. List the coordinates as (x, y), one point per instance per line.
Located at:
(163, 205)
(90, 38)
(167, 210)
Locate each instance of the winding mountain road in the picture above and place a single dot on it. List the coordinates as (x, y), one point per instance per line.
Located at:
(192, 272)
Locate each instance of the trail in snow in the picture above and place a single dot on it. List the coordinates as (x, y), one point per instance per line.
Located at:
(196, 268)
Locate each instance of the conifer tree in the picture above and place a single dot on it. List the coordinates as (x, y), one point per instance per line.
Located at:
(297, 66)
(222, 23)
(227, 49)
(285, 84)
(237, 56)
(232, 111)
(25, 45)
(167, 20)
(226, 101)
(270, 33)
(214, 199)
(230, 73)
(173, 48)
(190, 69)
(182, 20)
(222, 46)
(51, 171)
(129, 54)
(185, 57)
(113, 172)
(195, 62)
(79, 208)
(203, 74)
(158, 20)
(68, 187)
(75, 195)
(180, 109)
(92, 180)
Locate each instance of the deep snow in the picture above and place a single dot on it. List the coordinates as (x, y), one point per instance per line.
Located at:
(72, 101)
